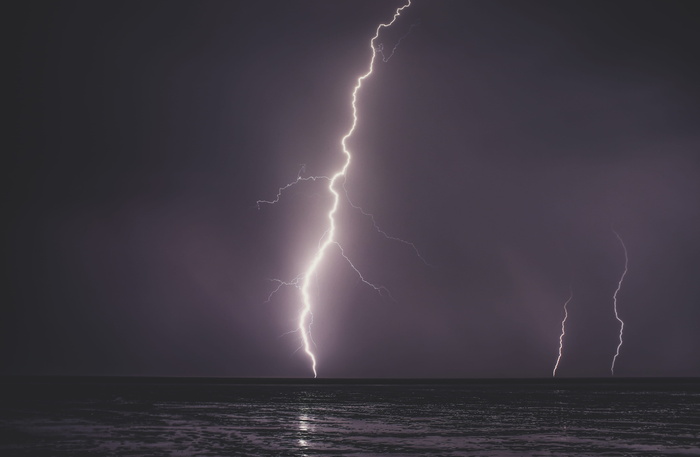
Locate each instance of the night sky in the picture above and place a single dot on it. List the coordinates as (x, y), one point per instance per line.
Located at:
(504, 139)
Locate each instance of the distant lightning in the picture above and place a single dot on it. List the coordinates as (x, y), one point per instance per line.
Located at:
(563, 332)
(617, 316)
(303, 281)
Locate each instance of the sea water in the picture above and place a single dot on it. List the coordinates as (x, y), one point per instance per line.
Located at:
(205, 417)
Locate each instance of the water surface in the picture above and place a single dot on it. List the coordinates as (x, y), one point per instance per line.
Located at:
(218, 417)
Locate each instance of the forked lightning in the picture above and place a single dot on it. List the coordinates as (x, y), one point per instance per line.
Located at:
(303, 281)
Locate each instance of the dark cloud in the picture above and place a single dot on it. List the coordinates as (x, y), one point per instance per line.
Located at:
(504, 139)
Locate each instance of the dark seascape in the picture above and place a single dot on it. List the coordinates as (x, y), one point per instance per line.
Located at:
(52, 416)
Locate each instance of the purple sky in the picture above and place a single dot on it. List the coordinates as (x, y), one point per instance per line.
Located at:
(503, 138)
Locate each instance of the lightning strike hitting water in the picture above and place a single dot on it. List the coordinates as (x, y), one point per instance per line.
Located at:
(563, 332)
(617, 316)
(303, 281)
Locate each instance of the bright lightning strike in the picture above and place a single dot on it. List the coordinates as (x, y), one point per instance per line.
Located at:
(303, 281)
(617, 316)
(563, 332)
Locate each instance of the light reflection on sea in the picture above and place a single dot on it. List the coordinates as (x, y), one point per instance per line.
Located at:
(354, 420)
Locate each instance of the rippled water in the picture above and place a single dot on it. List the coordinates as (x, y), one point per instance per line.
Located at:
(404, 419)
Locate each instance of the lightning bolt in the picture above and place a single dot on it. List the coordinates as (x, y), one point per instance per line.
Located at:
(563, 332)
(383, 233)
(303, 281)
(617, 316)
(380, 46)
(299, 179)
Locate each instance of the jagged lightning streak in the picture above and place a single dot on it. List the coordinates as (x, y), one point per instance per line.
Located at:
(380, 46)
(617, 316)
(299, 179)
(563, 331)
(382, 232)
(328, 239)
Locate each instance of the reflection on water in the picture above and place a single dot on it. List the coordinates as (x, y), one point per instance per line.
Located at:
(360, 420)
(306, 430)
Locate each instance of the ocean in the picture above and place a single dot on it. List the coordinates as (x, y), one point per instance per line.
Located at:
(85, 416)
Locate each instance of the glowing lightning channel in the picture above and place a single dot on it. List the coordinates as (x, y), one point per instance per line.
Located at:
(619, 286)
(563, 332)
(330, 238)
(303, 281)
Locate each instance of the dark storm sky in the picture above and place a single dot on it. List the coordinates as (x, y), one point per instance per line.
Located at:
(503, 139)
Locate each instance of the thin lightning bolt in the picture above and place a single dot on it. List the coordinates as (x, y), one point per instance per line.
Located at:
(280, 284)
(563, 332)
(328, 237)
(380, 46)
(299, 179)
(379, 289)
(382, 232)
(617, 316)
